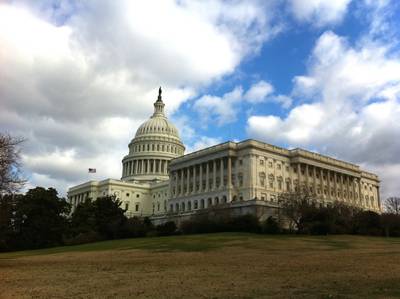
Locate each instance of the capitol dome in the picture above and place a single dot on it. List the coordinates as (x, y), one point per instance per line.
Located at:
(155, 144)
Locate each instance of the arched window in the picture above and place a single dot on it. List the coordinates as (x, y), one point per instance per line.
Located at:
(183, 206)
(196, 204)
(216, 200)
(224, 200)
(202, 204)
(189, 205)
(177, 207)
(209, 201)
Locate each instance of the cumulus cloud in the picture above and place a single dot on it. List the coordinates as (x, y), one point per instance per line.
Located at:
(258, 92)
(203, 142)
(319, 12)
(224, 109)
(353, 106)
(76, 79)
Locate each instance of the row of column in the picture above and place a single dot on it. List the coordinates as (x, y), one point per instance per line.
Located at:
(346, 183)
(202, 177)
(145, 166)
(190, 205)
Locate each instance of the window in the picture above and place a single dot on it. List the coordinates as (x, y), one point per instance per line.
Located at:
(137, 195)
(262, 179)
(270, 164)
(280, 185)
(240, 162)
(137, 207)
(127, 206)
(127, 194)
(158, 206)
(261, 162)
(279, 166)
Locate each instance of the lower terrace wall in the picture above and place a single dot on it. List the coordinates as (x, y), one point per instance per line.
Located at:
(261, 209)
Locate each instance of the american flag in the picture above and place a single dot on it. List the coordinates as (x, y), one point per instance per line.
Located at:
(92, 170)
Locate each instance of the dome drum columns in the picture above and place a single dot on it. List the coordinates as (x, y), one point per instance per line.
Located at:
(156, 142)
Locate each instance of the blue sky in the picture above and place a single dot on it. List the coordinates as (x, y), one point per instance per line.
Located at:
(79, 77)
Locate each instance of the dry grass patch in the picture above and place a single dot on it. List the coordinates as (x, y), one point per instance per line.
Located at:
(208, 266)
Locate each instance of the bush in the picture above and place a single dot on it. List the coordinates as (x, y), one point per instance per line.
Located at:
(136, 227)
(271, 226)
(367, 223)
(391, 225)
(166, 229)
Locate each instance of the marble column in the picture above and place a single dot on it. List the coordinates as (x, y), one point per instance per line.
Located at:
(229, 172)
(214, 187)
(315, 180)
(187, 180)
(194, 178)
(335, 183)
(221, 173)
(201, 177)
(182, 182)
(176, 182)
(207, 176)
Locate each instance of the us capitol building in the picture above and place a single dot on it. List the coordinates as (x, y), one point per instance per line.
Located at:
(160, 181)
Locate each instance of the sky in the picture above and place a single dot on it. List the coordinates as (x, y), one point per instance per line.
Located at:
(77, 78)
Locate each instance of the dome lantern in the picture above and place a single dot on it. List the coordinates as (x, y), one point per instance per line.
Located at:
(159, 105)
(156, 143)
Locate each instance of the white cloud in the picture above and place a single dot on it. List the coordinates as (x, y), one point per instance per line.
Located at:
(203, 142)
(258, 92)
(224, 109)
(319, 12)
(79, 78)
(353, 109)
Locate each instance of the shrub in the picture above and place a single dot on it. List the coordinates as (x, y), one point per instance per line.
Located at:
(166, 229)
(271, 226)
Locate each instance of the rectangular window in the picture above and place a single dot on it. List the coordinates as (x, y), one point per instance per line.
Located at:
(137, 207)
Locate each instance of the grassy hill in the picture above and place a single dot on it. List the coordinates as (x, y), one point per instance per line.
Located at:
(226, 265)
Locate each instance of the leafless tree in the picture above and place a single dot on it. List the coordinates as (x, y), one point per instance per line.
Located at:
(392, 205)
(10, 168)
(294, 204)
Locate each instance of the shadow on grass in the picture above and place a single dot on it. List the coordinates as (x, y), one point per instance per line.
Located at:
(206, 242)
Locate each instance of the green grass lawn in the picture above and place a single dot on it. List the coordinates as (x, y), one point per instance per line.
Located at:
(223, 265)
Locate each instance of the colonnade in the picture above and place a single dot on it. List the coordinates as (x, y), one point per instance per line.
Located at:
(330, 184)
(201, 177)
(145, 166)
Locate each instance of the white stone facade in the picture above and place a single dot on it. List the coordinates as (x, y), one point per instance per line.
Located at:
(158, 179)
